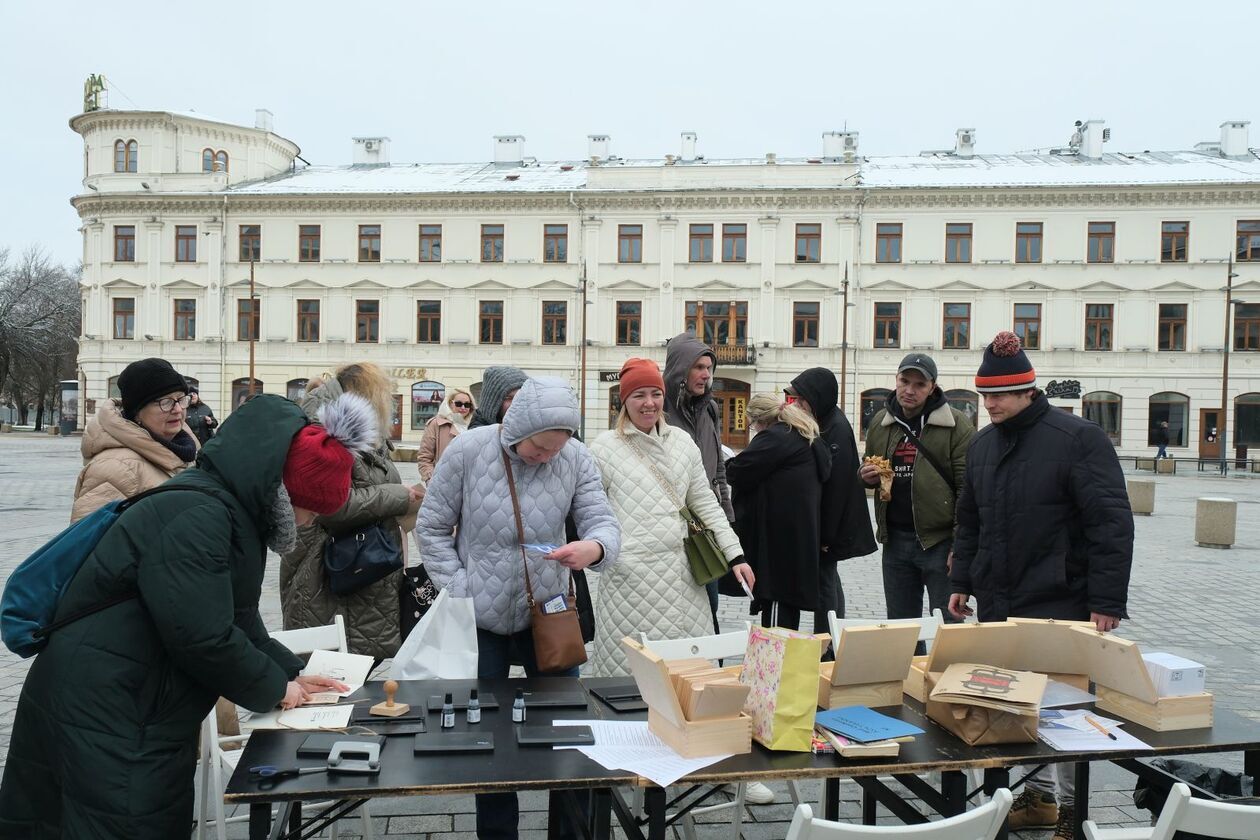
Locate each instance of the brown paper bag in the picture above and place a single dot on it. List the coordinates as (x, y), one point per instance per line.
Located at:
(979, 726)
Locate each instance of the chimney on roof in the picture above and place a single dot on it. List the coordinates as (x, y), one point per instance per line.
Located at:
(965, 142)
(1093, 135)
(833, 146)
(264, 120)
(509, 150)
(599, 146)
(371, 151)
(688, 146)
(1234, 139)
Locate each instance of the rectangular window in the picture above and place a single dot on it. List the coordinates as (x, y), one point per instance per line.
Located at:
(957, 327)
(888, 325)
(888, 243)
(809, 243)
(1174, 241)
(555, 314)
(1028, 325)
(1098, 325)
(958, 243)
(308, 320)
(125, 318)
(185, 319)
(430, 243)
(735, 243)
(492, 243)
(369, 243)
(718, 324)
(308, 243)
(185, 243)
(629, 322)
(248, 314)
(1172, 326)
(630, 243)
(1247, 326)
(251, 243)
(367, 321)
(124, 243)
(805, 324)
(1248, 242)
(555, 243)
(700, 244)
(491, 322)
(428, 321)
(1028, 242)
(1101, 245)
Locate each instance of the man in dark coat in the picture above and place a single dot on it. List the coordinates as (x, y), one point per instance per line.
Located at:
(199, 417)
(105, 737)
(845, 525)
(1044, 531)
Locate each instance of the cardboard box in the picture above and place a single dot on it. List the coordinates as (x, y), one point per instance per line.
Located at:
(1175, 676)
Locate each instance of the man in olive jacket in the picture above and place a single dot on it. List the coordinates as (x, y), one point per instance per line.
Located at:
(925, 440)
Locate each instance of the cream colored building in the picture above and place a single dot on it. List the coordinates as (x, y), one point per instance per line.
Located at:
(1112, 265)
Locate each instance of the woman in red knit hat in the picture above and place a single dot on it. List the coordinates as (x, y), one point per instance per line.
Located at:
(650, 470)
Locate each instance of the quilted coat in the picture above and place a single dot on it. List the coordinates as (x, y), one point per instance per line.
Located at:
(120, 459)
(1044, 524)
(105, 737)
(438, 434)
(482, 560)
(376, 495)
(650, 589)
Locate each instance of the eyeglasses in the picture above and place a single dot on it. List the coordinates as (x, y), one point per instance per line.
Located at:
(459, 404)
(168, 404)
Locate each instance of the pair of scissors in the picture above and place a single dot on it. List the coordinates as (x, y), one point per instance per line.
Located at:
(269, 775)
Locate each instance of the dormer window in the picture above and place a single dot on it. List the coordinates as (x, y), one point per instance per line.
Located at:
(212, 161)
(125, 155)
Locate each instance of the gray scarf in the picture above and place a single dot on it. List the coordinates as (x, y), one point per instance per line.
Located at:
(282, 523)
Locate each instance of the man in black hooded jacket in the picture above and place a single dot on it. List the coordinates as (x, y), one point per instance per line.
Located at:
(845, 523)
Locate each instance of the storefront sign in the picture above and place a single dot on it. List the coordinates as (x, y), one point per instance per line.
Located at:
(409, 373)
(1068, 389)
(610, 376)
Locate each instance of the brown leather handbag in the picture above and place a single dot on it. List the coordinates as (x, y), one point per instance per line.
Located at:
(558, 642)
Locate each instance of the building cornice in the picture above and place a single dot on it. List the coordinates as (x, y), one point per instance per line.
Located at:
(898, 199)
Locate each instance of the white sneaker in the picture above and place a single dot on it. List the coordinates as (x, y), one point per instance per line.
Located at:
(755, 793)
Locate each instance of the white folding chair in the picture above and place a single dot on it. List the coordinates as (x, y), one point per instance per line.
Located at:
(928, 625)
(219, 763)
(981, 823)
(1225, 820)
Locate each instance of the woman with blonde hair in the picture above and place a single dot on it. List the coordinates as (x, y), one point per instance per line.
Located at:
(451, 419)
(377, 497)
(776, 486)
(650, 470)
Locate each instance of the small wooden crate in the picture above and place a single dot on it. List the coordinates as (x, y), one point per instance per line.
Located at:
(1166, 714)
(865, 694)
(871, 664)
(915, 684)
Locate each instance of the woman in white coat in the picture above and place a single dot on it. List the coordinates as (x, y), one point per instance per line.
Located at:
(651, 590)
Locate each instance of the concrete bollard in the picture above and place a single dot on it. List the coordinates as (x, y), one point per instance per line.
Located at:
(1144, 464)
(1214, 522)
(1164, 466)
(6, 428)
(1142, 496)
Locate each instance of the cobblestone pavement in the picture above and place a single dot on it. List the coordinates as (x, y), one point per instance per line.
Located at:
(1188, 600)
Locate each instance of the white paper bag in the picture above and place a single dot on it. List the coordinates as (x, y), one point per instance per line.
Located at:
(442, 646)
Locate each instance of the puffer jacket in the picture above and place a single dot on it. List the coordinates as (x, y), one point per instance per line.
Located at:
(376, 495)
(120, 459)
(438, 434)
(650, 589)
(469, 491)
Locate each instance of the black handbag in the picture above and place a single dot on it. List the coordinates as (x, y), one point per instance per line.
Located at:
(360, 558)
(416, 593)
(585, 609)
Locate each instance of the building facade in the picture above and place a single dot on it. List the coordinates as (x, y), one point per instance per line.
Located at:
(1112, 267)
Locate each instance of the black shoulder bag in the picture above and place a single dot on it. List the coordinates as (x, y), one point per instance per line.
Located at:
(931, 459)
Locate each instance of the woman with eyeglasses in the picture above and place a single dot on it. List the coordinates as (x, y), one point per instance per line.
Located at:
(452, 418)
(137, 442)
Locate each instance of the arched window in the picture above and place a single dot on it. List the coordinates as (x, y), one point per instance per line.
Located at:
(295, 389)
(968, 402)
(240, 391)
(207, 160)
(125, 155)
(1247, 420)
(872, 401)
(614, 405)
(221, 161)
(114, 392)
(1174, 408)
(426, 399)
(1103, 407)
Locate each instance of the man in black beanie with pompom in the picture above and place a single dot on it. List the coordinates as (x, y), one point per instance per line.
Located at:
(1044, 531)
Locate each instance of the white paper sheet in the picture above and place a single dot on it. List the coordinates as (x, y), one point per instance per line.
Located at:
(1062, 694)
(1073, 732)
(350, 668)
(628, 745)
(316, 717)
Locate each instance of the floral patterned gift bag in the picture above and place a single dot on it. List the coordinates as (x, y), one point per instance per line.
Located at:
(782, 668)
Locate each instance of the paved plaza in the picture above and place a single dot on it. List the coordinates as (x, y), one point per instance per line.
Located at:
(1192, 601)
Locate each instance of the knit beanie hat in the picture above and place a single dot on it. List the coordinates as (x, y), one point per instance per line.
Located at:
(639, 373)
(1005, 367)
(321, 456)
(147, 380)
(496, 382)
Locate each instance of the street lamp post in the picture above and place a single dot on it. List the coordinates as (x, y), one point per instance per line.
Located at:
(1222, 438)
(844, 336)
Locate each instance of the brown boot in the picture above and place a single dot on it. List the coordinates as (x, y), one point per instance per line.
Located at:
(1066, 827)
(1033, 809)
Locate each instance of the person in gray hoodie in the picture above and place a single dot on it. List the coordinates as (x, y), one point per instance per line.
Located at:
(467, 533)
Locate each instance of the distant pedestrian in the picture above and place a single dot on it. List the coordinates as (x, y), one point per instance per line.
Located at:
(1161, 438)
(137, 442)
(451, 419)
(499, 385)
(201, 419)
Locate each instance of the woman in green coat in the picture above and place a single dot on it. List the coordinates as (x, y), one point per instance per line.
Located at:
(104, 743)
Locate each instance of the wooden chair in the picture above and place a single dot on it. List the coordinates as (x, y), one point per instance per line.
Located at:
(981, 823)
(218, 762)
(1197, 816)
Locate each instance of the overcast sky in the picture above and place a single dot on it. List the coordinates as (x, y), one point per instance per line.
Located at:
(441, 79)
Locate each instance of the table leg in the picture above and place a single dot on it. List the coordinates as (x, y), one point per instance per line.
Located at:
(831, 799)
(601, 814)
(1251, 763)
(954, 789)
(654, 806)
(869, 804)
(1081, 798)
(259, 820)
(555, 813)
(994, 779)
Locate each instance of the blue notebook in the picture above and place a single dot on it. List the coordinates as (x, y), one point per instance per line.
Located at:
(858, 723)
